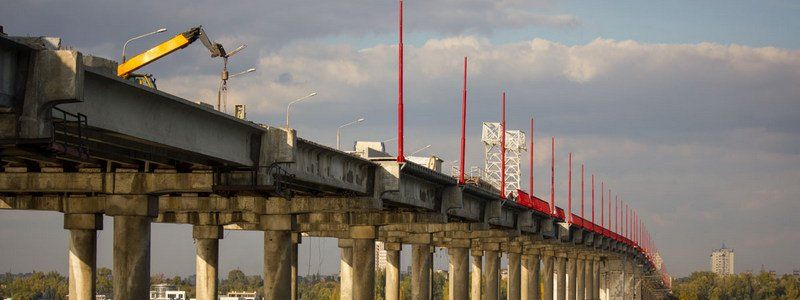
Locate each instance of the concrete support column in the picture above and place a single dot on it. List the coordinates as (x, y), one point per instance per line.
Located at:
(458, 272)
(207, 260)
(530, 277)
(476, 275)
(82, 253)
(421, 263)
(561, 282)
(132, 215)
(580, 279)
(296, 240)
(393, 271)
(363, 261)
(346, 269)
(491, 273)
(548, 260)
(596, 274)
(131, 257)
(278, 255)
(572, 266)
(589, 277)
(514, 269)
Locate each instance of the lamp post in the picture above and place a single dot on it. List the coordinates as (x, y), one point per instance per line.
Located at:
(338, 130)
(420, 149)
(295, 101)
(223, 85)
(160, 30)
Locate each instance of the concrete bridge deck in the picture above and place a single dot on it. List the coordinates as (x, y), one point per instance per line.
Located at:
(76, 139)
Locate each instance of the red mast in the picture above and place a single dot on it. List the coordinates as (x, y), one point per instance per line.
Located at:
(553, 175)
(530, 179)
(463, 126)
(583, 193)
(503, 151)
(603, 204)
(569, 190)
(593, 200)
(400, 157)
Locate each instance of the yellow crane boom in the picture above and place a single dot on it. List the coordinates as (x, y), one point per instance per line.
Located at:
(180, 41)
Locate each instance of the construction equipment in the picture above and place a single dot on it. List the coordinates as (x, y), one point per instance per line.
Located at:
(126, 69)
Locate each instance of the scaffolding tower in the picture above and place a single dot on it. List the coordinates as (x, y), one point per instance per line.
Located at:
(515, 146)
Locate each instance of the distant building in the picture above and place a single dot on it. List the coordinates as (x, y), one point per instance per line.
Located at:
(722, 261)
(796, 272)
(380, 256)
(166, 292)
(240, 296)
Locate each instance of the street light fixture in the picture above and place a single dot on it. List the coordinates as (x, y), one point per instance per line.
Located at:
(345, 125)
(242, 72)
(160, 30)
(420, 149)
(295, 101)
(222, 93)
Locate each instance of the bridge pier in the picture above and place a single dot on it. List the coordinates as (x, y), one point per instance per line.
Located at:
(207, 260)
(572, 265)
(82, 253)
(131, 257)
(421, 264)
(491, 274)
(580, 278)
(589, 277)
(346, 269)
(132, 218)
(530, 276)
(296, 240)
(363, 261)
(596, 269)
(459, 270)
(548, 274)
(561, 273)
(277, 256)
(476, 274)
(514, 270)
(393, 270)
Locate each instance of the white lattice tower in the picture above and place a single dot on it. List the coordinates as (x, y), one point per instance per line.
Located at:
(515, 145)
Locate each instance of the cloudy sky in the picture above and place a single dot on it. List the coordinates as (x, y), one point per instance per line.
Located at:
(689, 111)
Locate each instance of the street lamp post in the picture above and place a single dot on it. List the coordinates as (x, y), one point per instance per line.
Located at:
(223, 85)
(295, 101)
(338, 131)
(160, 30)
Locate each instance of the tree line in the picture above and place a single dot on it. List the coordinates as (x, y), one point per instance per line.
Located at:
(764, 285)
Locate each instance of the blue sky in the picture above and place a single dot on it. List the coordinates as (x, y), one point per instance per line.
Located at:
(690, 109)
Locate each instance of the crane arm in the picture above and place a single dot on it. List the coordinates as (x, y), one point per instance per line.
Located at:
(179, 41)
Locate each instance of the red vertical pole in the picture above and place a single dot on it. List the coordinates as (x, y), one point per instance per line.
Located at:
(616, 212)
(569, 190)
(400, 156)
(463, 126)
(530, 179)
(627, 235)
(593, 199)
(603, 204)
(503, 151)
(583, 193)
(609, 210)
(553, 175)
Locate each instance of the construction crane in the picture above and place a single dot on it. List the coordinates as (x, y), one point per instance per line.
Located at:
(126, 69)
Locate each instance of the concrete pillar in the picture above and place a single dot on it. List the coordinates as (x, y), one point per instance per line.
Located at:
(132, 215)
(588, 275)
(207, 260)
(363, 261)
(393, 271)
(561, 282)
(277, 264)
(296, 240)
(476, 275)
(131, 257)
(514, 269)
(346, 269)
(82, 253)
(458, 273)
(548, 259)
(491, 275)
(596, 274)
(580, 279)
(530, 277)
(420, 271)
(430, 275)
(572, 266)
